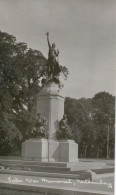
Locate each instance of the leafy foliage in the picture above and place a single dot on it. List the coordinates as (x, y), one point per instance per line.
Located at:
(89, 120)
(10, 84)
(20, 75)
(103, 116)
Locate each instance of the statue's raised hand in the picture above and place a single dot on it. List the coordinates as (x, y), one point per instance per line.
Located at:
(47, 33)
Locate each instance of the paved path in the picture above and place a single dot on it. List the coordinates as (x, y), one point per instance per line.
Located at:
(105, 184)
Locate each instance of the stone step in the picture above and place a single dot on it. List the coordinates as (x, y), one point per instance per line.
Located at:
(35, 168)
(69, 175)
(6, 188)
(53, 169)
(27, 162)
(55, 164)
(51, 166)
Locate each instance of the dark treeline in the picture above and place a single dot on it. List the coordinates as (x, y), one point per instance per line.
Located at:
(21, 70)
(92, 123)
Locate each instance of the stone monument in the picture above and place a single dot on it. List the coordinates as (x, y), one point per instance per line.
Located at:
(50, 103)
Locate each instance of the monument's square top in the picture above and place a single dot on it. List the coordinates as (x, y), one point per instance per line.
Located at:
(51, 88)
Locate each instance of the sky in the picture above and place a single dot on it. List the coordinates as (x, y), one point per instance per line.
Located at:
(83, 30)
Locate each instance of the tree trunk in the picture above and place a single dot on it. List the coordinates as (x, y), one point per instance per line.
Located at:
(85, 151)
(108, 127)
(98, 152)
(109, 151)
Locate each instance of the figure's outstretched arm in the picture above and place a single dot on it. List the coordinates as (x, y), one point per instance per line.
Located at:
(48, 39)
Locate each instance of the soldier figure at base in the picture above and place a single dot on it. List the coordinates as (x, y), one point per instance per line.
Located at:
(64, 131)
(39, 129)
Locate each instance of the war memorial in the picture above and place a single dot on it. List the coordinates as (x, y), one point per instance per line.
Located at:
(50, 102)
(49, 164)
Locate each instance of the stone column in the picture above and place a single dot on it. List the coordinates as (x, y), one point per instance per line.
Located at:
(50, 102)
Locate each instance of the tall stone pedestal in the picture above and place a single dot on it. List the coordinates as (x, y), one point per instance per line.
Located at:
(50, 102)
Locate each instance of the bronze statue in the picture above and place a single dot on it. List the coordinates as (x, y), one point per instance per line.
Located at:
(40, 127)
(53, 67)
(64, 131)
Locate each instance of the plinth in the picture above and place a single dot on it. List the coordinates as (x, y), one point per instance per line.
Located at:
(35, 149)
(50, 102)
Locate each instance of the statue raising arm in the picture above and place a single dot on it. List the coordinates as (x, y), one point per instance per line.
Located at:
(49, 45)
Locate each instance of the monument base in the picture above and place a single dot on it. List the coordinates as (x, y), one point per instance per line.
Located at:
(44, 150)
(35, 149)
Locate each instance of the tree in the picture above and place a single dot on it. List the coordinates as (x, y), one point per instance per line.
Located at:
(103, 115)
(20, 74)
(10, 85)
(34, 63)
(79, 116)
(89, 120)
